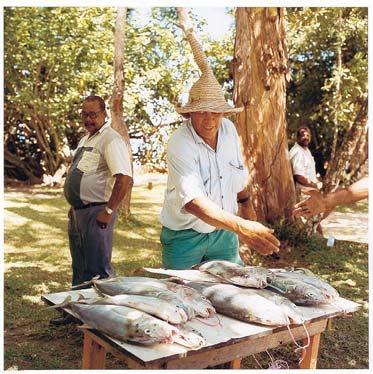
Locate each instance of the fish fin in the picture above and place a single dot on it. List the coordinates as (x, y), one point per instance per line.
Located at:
(64, 303)
(176, 280)
(99, 292)
(276, 288)
(84, 326)
(80, 297)
(195, 266)
(86, 283)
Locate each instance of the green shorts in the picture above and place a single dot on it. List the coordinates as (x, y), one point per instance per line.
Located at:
(185, 248)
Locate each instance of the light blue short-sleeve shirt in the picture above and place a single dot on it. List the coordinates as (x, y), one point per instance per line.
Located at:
(195, 170)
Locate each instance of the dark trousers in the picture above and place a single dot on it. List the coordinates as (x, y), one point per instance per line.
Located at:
(90, 245)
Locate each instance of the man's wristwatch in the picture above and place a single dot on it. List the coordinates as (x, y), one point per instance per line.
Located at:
(108, 210)
(243, 200)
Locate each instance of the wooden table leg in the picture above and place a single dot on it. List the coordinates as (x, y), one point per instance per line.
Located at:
(235, 364)
(310, 358)
(94, 354)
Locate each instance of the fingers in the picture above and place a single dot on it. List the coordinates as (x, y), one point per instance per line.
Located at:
(272, 239)
(261, 244)
(302, 210)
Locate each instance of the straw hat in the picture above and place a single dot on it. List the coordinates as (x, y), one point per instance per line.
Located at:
(206, 95)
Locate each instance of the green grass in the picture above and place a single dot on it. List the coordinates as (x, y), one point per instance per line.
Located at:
(359, 207)
(37, 261)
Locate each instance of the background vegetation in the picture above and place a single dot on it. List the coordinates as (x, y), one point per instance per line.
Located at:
(53, 57)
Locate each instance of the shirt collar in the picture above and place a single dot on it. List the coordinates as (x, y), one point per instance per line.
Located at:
(302, 148)
(103, 127)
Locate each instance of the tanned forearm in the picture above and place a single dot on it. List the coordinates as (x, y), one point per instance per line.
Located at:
(304, 181)
(357, 191)
(254, 234)
(209, 212)
(120, 188)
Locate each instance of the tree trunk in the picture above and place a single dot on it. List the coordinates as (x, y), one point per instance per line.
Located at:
(336, 104)
(260, 73)
(351, 143)
(117, 97)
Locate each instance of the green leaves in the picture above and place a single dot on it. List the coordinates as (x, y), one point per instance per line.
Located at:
(323, 94)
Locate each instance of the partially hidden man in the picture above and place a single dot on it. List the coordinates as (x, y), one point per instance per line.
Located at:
(206, 180)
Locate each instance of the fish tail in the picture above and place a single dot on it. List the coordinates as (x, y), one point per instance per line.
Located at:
(86, 283)
(64, 303)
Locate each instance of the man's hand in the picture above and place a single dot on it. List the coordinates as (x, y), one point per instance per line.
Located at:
(258, 237)
(314, 204)
(103, 218)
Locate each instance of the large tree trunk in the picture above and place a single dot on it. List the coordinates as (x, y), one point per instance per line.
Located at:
(117, 96)
(260, 74)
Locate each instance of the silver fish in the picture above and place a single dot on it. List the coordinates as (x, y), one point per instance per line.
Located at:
(288, 307)
(248, 276)
(186, 297)
(125, 324)
(243, 304)
(169, 311)
(307, 276)
(298, 292)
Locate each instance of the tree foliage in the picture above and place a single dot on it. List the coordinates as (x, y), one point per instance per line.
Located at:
(56, 56)
(53, 57)
(328, 58)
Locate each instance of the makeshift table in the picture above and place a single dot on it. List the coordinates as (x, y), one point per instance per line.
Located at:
(227, 343)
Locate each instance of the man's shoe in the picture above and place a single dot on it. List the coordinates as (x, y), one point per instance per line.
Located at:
(64, 320)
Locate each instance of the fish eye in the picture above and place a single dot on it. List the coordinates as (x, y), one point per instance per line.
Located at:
(147, 331)
(203, 298)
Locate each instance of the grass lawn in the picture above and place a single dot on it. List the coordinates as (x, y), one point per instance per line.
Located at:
(37, 261)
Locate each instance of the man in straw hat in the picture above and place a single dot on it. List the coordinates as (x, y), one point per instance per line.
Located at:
(206, 180)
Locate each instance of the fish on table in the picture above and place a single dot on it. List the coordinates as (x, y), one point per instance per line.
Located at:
(308, 277)
(299, 292)
(244, 304)
(246, 276)
(288, 307)
(193, 302)
(169, 311)
(133, 326)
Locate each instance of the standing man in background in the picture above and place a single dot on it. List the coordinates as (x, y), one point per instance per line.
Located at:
(304, 172)
(96, 183)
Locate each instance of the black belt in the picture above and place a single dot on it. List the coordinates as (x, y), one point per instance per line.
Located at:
(89, 205)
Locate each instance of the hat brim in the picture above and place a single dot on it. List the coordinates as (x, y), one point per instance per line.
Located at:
(226, 109)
